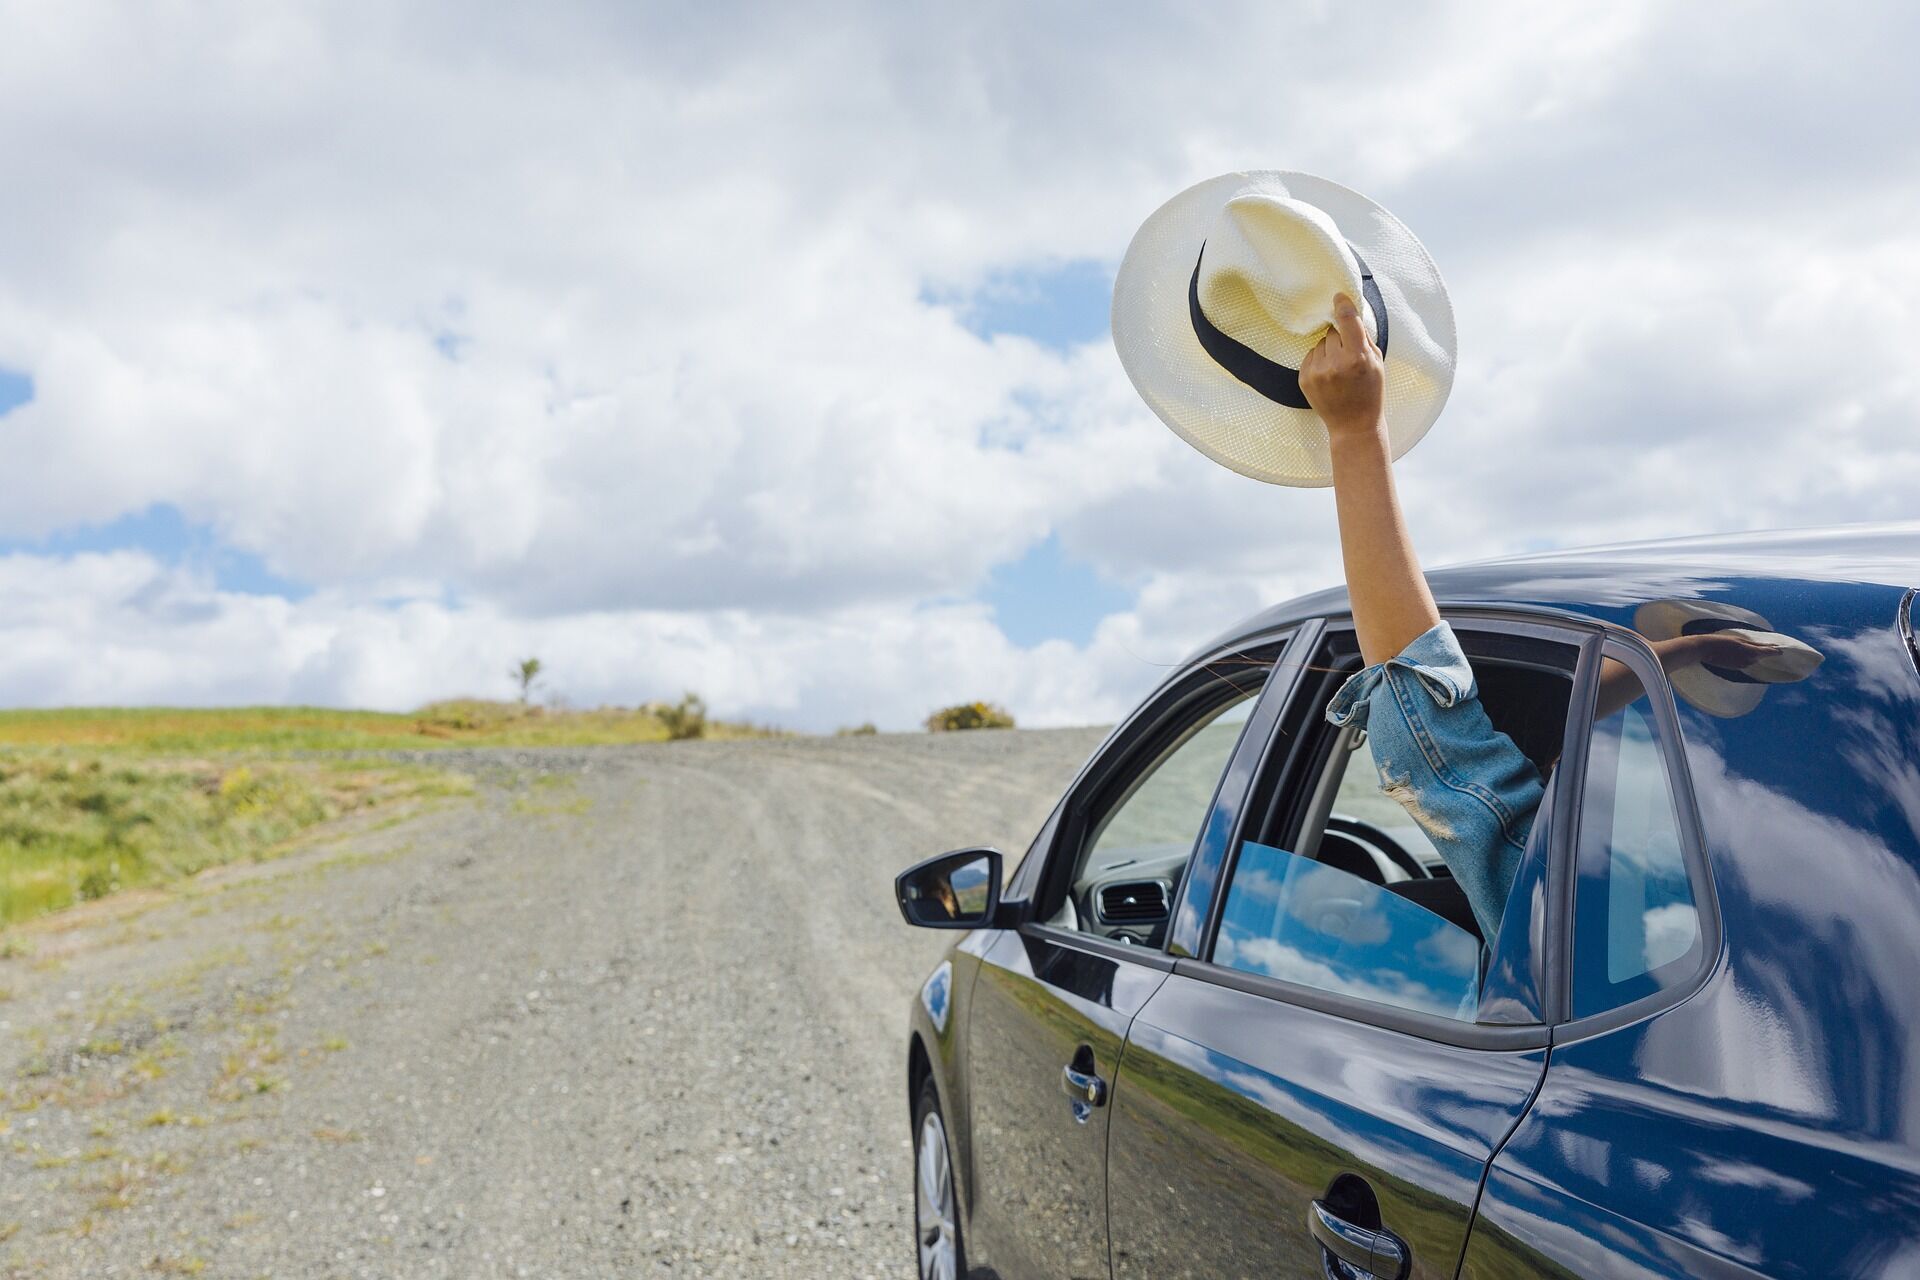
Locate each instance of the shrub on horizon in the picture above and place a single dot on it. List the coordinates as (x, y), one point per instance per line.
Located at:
(687, 719)
(969, 715)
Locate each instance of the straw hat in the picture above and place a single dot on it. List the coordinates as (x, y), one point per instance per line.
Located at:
(1722, 691)
(1230, 284)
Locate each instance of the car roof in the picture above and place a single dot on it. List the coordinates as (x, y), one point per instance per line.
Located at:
(1844, 561)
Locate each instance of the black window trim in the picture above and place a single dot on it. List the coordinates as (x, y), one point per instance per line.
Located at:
(1631, 648)
(1906, 626)
(1575, 630)
(1094, 944)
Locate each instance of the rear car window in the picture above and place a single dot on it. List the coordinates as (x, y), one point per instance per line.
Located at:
(1637, 924)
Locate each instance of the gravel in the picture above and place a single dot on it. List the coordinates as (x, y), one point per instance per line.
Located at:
(628, 1011)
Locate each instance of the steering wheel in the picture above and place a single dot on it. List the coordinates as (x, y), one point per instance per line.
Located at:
(1366, 832)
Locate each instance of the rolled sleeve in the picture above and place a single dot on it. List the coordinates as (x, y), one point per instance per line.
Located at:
(1466, 785)
(1434, 658)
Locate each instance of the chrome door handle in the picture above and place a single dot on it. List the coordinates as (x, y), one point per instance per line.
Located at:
(1085, 1088)
(1380, 1254)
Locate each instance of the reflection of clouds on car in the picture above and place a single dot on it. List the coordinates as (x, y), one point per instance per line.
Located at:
(1276, 959)
(1880, 672)
(1452, 950)
(1306, 922)
(1670, 931)
(937, 994)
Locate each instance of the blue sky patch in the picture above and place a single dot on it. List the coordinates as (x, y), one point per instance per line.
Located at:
(162, 532)
(1060, 306)
(15, 389)
(1046, 595)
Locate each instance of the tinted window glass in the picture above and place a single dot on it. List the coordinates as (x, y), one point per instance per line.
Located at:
(1141, 844)
(1306, 922)
(1637, 927)
(1162, 813)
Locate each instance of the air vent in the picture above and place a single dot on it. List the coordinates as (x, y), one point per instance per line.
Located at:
(1133, 902)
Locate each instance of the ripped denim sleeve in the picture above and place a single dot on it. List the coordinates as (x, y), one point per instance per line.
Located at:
(1461, 780)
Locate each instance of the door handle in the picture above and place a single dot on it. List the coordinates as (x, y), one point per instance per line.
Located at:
(1085, 1088)
(1378, 1254)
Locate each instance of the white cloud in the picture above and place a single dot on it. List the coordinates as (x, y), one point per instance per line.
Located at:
(605, 329)
(123, 628)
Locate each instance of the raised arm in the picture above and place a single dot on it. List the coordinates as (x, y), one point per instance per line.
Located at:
(1344, 380)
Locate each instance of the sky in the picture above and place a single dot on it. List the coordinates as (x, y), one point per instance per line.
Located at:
(351, 352)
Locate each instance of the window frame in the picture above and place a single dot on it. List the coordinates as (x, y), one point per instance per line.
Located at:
(1297, 756)
(1633, 650)
(1139, 739)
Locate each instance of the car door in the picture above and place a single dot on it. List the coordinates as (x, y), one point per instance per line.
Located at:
(1054, 996)
(1318, 1088)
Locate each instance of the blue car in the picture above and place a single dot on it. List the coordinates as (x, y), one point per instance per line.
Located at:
(1231, 1016)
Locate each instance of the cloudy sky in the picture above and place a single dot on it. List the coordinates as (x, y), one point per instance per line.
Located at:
(349, 352)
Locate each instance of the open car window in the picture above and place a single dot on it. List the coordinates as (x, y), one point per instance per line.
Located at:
(1337, 887)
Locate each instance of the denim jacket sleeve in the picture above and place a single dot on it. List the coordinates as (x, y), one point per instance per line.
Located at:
(1464, 782)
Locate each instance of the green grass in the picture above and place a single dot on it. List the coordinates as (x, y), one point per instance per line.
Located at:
(79, 826)
(98, 799)
(469, 722)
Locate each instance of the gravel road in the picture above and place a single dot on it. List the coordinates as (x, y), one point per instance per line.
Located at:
(626, 1012)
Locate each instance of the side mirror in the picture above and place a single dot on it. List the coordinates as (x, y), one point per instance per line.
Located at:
(958, 890)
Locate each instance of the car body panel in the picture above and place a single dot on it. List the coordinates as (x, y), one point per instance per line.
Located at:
(943, 1044)
(1044, 1001)
(1770, 1123)
(1234, 1111)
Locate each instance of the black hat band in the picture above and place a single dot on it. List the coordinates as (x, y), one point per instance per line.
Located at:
(1271, 379)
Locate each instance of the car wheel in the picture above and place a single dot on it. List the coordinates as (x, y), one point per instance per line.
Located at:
(936, 1207)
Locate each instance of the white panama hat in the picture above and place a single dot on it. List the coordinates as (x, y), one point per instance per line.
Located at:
(1230, 284)
(1721, 691)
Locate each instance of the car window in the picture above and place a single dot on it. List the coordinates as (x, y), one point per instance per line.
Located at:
(1303, 921)
(1342, 889)
(1363, 812)
(1637, 925)
(1138, 845)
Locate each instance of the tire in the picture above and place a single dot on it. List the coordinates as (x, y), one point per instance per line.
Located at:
(938, 1251)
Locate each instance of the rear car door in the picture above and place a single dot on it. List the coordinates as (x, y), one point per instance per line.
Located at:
(1318, 1086)
(1055, 996)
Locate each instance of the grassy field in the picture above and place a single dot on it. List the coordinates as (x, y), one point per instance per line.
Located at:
(74, 826)
(144, 730)
(95, 800)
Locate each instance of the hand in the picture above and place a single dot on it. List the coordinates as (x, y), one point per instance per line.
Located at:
(1728, 649)
(1344, 378)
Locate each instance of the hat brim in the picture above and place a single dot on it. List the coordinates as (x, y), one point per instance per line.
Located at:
(1702, 688)
(1226, 419)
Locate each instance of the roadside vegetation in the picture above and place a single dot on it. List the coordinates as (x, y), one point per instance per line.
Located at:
(468, 722)
(969, 715)
(96, 800)
(77, 827)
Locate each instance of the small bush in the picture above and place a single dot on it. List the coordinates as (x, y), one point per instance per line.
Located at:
(856, 731)
(969, 715)
(98, 882)
(472, 715)
(685, 719)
